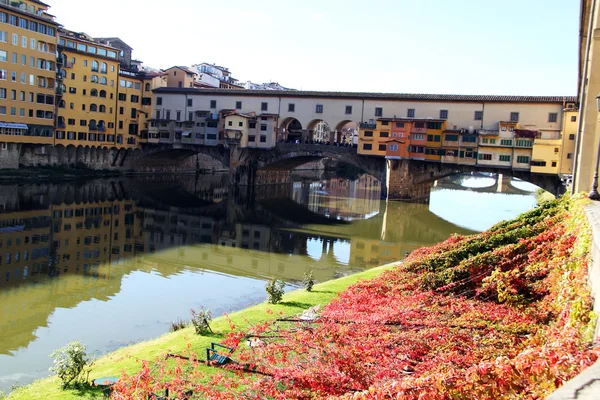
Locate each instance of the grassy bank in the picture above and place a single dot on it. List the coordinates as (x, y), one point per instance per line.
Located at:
(127, 358)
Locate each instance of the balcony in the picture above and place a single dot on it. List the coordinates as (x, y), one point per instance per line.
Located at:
(418, 130)
(101, 129)
(368, 125)
(61, 125)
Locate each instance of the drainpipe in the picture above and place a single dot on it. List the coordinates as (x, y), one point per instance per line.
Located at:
(582, 90)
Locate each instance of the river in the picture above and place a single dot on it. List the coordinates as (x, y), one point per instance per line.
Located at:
(112, 262)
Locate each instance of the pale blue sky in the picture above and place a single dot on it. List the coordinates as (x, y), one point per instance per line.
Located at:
(524, 47)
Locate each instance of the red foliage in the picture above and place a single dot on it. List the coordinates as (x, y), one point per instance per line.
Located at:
(504, 322)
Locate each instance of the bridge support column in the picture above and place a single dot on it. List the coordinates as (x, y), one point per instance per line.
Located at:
(405, 181)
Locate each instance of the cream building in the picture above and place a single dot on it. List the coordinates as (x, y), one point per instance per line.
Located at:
(303, 110)
(588, 133)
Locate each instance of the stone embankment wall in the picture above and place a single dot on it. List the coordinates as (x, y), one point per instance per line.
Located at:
(98, 158)
(586, 386)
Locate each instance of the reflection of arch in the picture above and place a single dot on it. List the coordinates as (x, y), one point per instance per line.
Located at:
(79, 154)
(71, 154)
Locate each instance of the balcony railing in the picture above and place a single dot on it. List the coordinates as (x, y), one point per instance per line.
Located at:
(487, 132)
(368, 125)
(101, 129)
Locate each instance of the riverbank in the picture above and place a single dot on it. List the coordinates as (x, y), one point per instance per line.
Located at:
(127, 359)
(501, 314)
(52, 174)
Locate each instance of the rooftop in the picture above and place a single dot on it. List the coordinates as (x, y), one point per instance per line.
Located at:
(377, 96)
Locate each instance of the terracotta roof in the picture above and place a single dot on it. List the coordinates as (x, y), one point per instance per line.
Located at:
(379, 96)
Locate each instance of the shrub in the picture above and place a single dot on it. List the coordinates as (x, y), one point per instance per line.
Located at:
(275, 291)
(71, 363)
(177, 325)
(308, 280)
(201, 320)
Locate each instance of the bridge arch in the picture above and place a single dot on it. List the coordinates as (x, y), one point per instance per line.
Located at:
(346, 131)
(319, 131)
(290, 129)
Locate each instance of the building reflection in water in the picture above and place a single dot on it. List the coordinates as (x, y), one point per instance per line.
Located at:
(61, 245)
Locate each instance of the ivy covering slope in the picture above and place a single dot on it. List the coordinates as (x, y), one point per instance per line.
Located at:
(502, 314)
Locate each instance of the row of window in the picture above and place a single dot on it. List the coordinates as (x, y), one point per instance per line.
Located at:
(25, 23)
(87, 48)
(39, 63)
(41, 114)
(93, 137)
(251, 125)
(411, 112)
(40, 81)
(41, 98)
(507, 158)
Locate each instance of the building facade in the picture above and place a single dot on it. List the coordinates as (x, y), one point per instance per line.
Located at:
(87, 92)
(28, 39)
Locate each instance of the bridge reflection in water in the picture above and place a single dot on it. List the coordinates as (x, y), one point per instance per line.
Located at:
(109, 262)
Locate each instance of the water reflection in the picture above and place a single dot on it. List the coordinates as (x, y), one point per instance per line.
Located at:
(109, 262)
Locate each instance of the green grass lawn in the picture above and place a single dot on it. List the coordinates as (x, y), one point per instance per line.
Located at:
(126, 359)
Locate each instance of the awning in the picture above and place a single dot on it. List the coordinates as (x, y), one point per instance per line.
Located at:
(14, 126)
(187, 133)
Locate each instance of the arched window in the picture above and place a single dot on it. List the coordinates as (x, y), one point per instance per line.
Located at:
(94, 78)
(102, 108)
(103, 80)
(92, 125)
(101, 124)
(61, 122)
(63, 87)
(147, 87)
(94, 66)
(94, 93)
(62, 104)
(63, 73)
(103, 93)
(93, 108)
(103, 68)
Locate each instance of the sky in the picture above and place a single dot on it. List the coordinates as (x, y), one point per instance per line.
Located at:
(518, 47)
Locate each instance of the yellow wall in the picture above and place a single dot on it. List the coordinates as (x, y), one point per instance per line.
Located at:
(176, 77)
(29, 80)
(548, 151)
(129, 86)
(80, 76)
(569, 133)
(230, 130)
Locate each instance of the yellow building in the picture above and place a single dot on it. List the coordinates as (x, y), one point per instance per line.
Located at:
(88, 78)
(129, 109)
(180, 77)
(589, 87)
(373, 137)
(546, 155)
(569, 132)
(151, 81)
(28, 37)
(433, 147)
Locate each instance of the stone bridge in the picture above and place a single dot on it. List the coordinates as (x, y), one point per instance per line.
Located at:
(413, 179)
(401, 179)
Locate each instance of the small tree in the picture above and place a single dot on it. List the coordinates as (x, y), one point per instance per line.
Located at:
(201, 320)
(71, 363)
(275, 291)
(308, 280)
